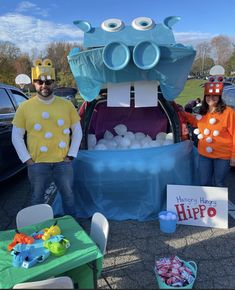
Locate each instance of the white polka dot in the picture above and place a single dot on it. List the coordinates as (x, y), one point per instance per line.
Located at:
(216, 133)
(45, 115)
(208, 139)
(60, 122)
(196, 131)
(37, 127)
(209, 149)
(206, 131)
(66, 131)
(200, 136)
(48, 135)
(43, 149)
(212, 121)
(62, 144)
(198, 117)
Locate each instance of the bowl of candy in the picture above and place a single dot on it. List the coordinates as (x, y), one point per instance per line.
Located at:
(174, 272)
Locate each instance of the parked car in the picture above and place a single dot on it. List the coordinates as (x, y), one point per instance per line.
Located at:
(10, 98)
(229, 95)
(68, 93)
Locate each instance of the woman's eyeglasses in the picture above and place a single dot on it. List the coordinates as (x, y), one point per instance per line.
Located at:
(46, 82)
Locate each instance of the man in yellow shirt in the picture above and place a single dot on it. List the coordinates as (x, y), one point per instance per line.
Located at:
(53, 136)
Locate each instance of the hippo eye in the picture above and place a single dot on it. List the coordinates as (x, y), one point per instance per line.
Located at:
(112, 25)
(143, 23)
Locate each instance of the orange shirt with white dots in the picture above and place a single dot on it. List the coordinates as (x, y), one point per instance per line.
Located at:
(216, 133)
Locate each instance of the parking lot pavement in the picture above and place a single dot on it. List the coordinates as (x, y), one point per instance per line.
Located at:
(133, 246)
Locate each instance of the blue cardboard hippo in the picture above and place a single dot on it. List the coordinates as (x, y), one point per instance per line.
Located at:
(117, 53)
(144, 56)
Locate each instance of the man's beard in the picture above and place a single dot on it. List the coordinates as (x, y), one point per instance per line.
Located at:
(45, 93)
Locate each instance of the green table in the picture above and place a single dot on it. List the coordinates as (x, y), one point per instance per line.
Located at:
(82, 252)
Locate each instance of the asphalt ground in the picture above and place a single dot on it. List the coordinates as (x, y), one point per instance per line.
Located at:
(134, 246)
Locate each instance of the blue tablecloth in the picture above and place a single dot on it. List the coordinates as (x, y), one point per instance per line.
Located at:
(130, 184)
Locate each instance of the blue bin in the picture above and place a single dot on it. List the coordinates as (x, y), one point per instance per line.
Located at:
(167, 220)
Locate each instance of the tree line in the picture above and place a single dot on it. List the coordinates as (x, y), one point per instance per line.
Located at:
(220, 50)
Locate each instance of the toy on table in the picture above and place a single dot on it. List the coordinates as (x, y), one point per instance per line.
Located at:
(26, 256)
(51, 231)
(20, 238)
(57, 245)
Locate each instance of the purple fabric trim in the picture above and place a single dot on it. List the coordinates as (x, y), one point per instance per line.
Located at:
(150, 120)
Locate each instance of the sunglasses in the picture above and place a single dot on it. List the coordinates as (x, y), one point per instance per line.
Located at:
(46, 82)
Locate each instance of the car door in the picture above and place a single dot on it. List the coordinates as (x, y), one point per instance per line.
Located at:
(7, 152)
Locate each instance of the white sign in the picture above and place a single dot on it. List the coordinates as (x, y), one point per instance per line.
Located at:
(199, 205)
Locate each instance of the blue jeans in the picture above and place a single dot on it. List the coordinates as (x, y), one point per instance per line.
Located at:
(42, 174)
(213, 171)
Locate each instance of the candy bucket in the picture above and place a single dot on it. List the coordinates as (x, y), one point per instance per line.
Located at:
(191, 265)
(167, 220)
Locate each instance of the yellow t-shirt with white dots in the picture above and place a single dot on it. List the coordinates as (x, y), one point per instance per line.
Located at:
(47, 126)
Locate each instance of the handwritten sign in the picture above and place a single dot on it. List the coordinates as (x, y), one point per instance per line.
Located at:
(199, 205)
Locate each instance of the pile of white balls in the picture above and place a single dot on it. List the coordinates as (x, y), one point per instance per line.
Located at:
(168, 215)
(125, 139)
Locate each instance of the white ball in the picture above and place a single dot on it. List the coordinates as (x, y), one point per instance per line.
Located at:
(102, 141)
(125, 142)
(161, 136)
(48, 135)
(120, 129)
(111, 144)
(43, 149)
(100, 147)
(216, 133)
(60, 122)
(206, 131)
(130, 135)
(139, 136)
(199, 136)
(37, 127)
(66, 131)
(62, 144)
(108, 135)
(208, 139)
(169, 136)
(212, 121)
(135, 145)
(45, 115)
(198, 117)
(117, 139)
(196, 131)
(91, 141)
(167, 142)
(209, 149)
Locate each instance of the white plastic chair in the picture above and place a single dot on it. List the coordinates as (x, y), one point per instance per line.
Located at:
(34, 214)
(99, 234)
(63, 282)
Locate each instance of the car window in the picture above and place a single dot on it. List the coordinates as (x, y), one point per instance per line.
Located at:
(6, 105)
(19, 98)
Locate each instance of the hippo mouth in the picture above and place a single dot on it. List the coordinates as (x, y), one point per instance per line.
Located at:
(91, 73)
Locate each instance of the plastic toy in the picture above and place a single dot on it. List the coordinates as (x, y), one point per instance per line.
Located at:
(38, 235)
(20, 238)
(57, 245)
(51, 231)
(27, 256)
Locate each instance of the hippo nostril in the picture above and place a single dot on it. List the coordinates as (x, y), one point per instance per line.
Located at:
(146, 55)
(116, 55)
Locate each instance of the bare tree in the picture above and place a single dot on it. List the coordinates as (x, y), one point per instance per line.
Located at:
(203, 54)
(223, 49)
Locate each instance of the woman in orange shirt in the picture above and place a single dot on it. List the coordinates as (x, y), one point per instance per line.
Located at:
(215, 130)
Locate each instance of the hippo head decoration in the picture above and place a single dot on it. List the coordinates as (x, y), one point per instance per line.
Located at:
(144, 52)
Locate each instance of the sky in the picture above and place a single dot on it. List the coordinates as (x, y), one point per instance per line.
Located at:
(32, 25)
